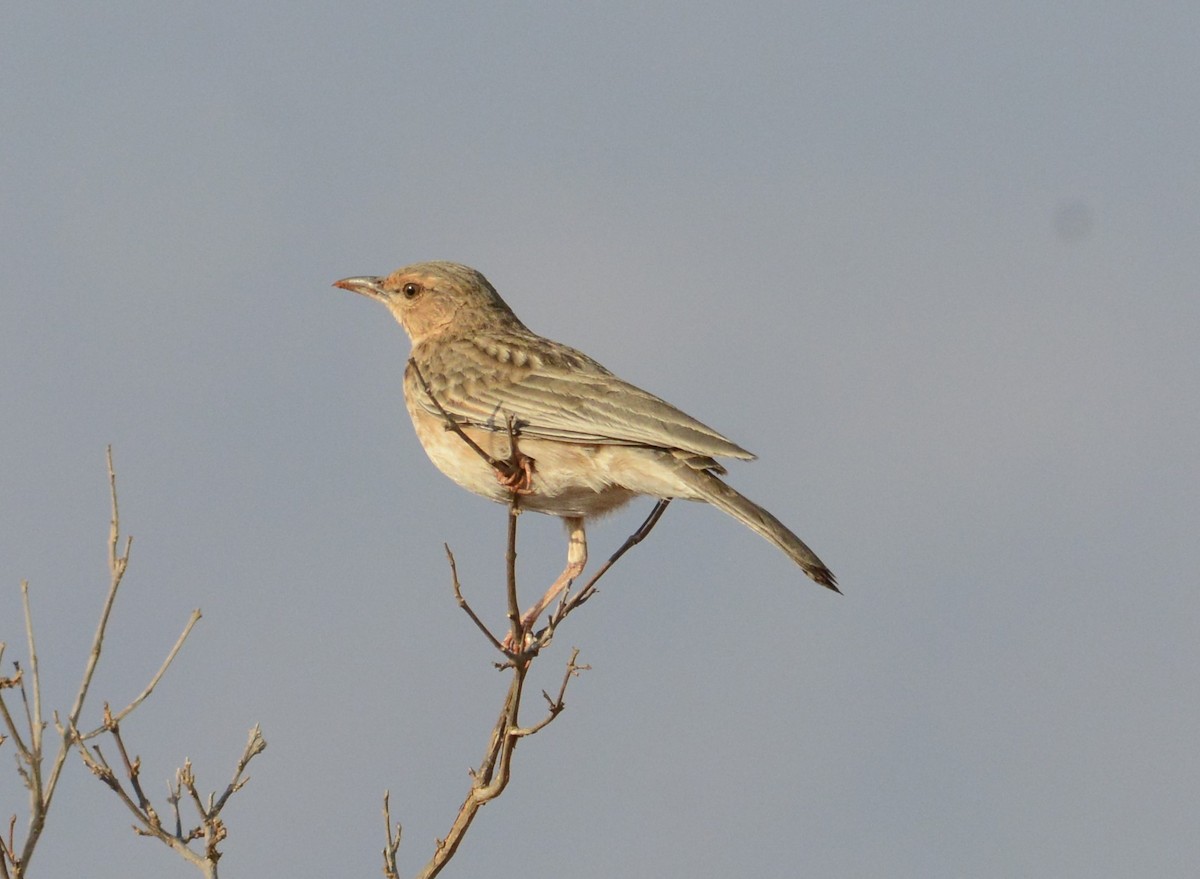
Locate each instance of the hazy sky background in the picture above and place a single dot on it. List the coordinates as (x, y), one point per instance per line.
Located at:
(937, 264)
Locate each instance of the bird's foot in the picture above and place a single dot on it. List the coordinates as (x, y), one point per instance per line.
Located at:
(517, 477)
(510, 643)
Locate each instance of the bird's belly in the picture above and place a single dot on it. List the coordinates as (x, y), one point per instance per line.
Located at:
(569, 479)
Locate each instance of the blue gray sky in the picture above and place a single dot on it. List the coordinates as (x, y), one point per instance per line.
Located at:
(936, 264)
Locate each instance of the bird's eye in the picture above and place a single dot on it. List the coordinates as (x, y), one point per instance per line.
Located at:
(411, 290)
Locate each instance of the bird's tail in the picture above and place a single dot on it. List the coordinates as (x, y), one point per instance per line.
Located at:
(711, 489)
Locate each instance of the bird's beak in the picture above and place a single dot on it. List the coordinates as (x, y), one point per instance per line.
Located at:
(366, 286)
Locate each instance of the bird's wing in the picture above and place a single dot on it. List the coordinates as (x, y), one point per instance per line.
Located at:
(554, 392)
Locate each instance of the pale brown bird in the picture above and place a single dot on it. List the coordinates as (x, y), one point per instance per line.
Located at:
(587, 441)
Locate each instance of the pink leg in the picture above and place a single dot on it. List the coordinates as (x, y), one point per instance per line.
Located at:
(576, 562)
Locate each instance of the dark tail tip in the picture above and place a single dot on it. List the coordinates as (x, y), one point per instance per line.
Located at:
(825, 577)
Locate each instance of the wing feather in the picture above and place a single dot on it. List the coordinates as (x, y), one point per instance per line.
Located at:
(556, 392)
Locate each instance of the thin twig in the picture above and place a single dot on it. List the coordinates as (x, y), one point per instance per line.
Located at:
(141, 697)
(7, 855)
(462, 602)
(133, 770)
(117, 565)
(558, 704)
(35, 722)
(390, 870)
(569, 602)
(510, 570)
(633, 540)
(16, 681)
(254, 746)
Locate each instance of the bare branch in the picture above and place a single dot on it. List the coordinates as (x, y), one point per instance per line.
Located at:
(510, 571)
(31, 755)
(556, 706)
(255, 745)
(8, 851)
(117, 563)
(211, 828)
(487, 785)
(34, 722)
(390, 870)
(14, 682)
(462, 602)
(141, 697)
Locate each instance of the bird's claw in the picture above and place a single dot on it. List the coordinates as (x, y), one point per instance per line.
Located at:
(517, 477)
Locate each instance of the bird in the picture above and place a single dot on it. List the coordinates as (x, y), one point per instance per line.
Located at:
(561, 431)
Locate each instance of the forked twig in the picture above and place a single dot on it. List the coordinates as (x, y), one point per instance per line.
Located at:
(142, 696)
(390, 871)
(211, 828)
(462, 602)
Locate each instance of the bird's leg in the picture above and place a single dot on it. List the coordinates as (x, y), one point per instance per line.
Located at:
(576, 562)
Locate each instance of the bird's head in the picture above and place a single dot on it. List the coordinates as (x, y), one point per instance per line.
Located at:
(434, 298)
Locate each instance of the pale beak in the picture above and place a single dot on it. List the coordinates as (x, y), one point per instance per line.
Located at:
(367, 286)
